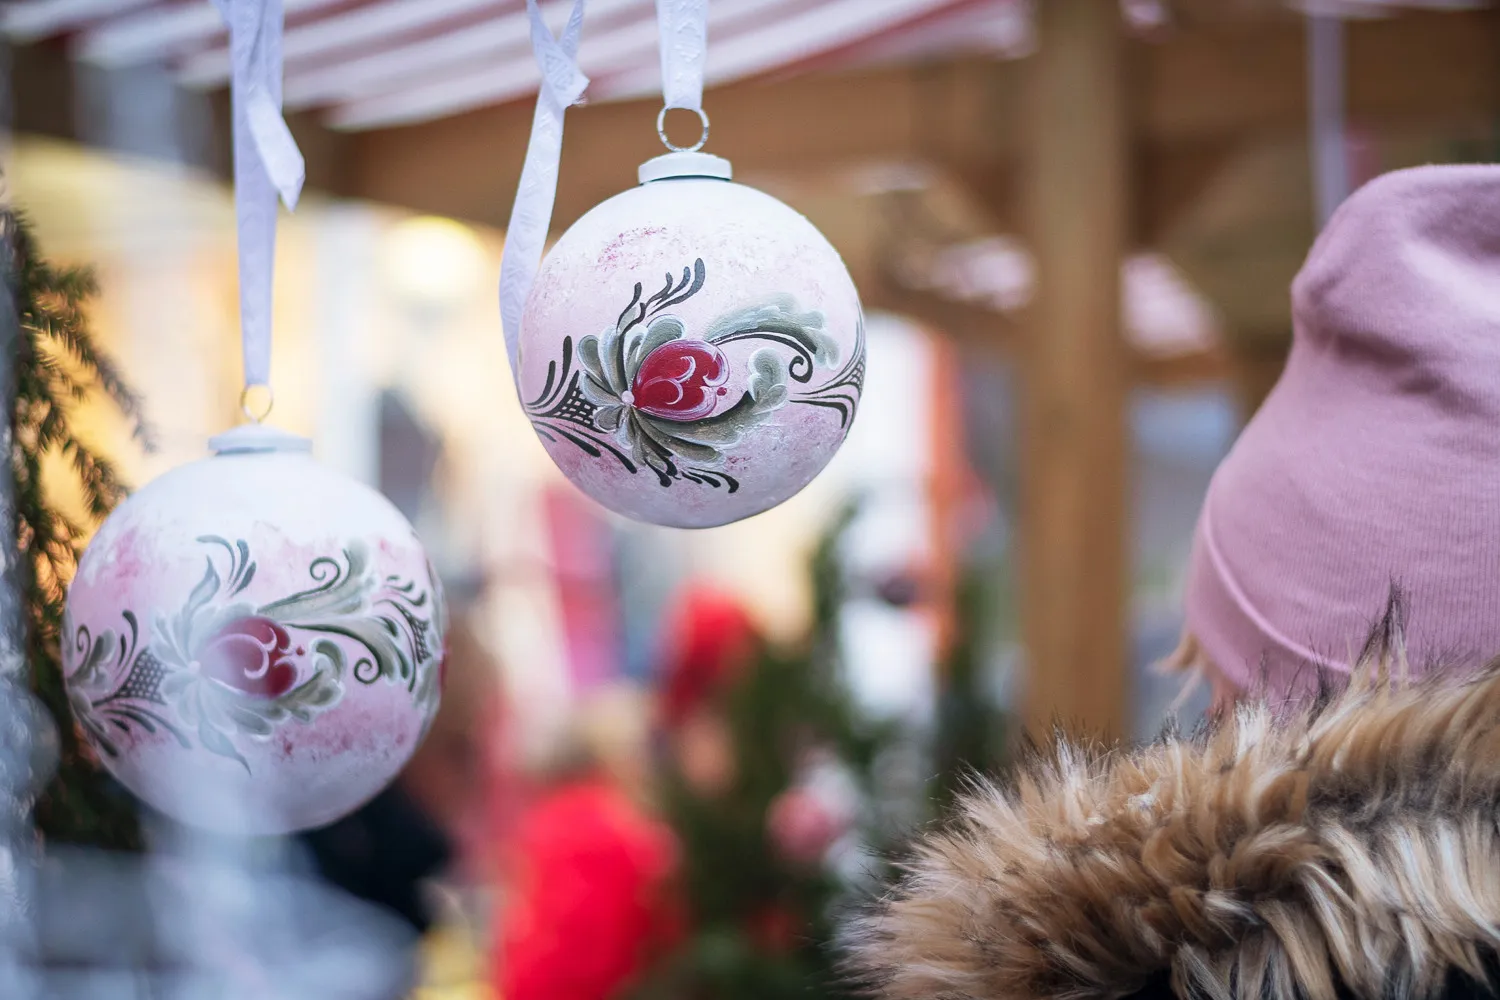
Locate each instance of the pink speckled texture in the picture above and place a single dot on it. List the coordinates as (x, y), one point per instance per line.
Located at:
(1376, 459)
(754, 248)
(148, 559)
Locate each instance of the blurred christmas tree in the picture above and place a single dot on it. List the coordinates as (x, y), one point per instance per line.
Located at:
(762, 899)
(58, 368)
(758, 917)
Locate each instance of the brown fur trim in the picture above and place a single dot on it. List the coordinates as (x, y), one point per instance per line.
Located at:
(1349, 846)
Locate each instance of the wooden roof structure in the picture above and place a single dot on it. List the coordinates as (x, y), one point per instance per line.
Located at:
(425, 103)
(968, 157)
(371, 64)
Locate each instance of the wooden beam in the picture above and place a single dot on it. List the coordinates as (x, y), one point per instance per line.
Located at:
(469, 165)
(52, 97)
(1197, 13)
(1197, 90)
(1074, 379)
(974, 327)
(1170, 179)
(1180, 371)
(1239, 80)
(977, 328)
(1198, 94)
(42, 98)
(1255, 365)
(993, 185)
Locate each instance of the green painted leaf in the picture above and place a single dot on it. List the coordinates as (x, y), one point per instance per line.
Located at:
(646, 450)
(176, 682)
(343, 589)
(612, 355)
(596, 393)
(589, 360)
(215, 742)
(322, 694)
(609, 418)
(778, 316)
(251, 722)
(662, 433)
(391, 661)
(663, 330)
(721, 431)
(245, 580)
(189, 707)
(768, 380)
(204, 591)
(326, 651)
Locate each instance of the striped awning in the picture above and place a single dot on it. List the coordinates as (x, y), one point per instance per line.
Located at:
(378, 63)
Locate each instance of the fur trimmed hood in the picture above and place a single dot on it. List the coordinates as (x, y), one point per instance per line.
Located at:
(1349, 849)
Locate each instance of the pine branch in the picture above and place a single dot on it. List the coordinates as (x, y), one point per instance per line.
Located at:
(58, 367)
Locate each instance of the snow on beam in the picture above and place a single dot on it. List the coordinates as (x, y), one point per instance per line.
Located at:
(630, 44)
(815, 31)
(31, 20)
(370, 24)
(487, 45)
(161, 33)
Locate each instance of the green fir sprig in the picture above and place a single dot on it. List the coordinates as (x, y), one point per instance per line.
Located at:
(58, 368)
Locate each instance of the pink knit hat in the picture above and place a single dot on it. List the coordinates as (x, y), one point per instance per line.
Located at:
(1376, 459)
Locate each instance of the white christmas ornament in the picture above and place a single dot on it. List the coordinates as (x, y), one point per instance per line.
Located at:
(692, 350)
(253, 641)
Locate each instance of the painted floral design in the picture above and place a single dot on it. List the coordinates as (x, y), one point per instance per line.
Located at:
(652, 396)
(252, 655)
(221, 667)
(681, 380)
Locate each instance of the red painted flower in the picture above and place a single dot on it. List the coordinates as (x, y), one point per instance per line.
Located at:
(680, 380)
(250, 655)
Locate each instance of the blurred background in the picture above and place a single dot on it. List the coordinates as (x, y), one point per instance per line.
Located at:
(1073, 224)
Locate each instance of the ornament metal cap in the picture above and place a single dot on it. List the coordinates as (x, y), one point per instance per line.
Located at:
(671, 166)
(257, 439)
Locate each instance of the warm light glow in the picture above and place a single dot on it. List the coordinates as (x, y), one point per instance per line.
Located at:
(432, 261)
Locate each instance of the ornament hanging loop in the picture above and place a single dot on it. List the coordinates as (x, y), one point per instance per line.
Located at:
(256, 401)
(267, 167)
(661, 129)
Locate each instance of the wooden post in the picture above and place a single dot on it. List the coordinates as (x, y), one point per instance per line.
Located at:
(1074, 380)
(1255, 366)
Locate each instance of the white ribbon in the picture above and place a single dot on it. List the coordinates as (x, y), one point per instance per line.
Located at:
(683, 25)
(563, 85)
(267, 164)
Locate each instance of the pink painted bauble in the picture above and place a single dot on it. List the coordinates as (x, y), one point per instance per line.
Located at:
(253, 642)
(692, 351)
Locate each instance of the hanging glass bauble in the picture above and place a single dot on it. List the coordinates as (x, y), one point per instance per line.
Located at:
(254, 641)
(692, 350)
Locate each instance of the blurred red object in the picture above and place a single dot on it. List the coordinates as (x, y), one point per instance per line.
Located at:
(588, 906)
(710, 640)
(580, 540)
(776, 930)
(803, 826)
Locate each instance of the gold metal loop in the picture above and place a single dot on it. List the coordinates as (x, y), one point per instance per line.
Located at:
(661, 130)
(256, 402)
